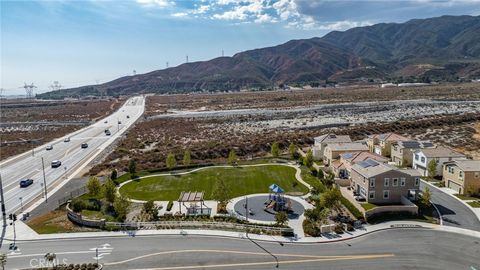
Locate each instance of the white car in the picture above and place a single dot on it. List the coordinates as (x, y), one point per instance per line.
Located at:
(49, 147)
(67, 139)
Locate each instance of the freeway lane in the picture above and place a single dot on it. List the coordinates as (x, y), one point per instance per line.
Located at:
(390, 249)
(70, 154)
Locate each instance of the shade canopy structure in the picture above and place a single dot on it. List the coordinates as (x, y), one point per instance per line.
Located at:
(276, 189)
(191, 196)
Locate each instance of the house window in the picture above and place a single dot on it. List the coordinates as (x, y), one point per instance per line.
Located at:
(395, 182)
(423, 159)
(371, 195)
(417, 181)
(372, 182)
(477, 174)
(386, 182)
(386, 194)
(460, 174)
(417, 156)
(402, 181)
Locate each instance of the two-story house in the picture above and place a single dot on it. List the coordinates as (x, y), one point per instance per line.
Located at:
(381, 183)
(342, 167)
(462, 176)
(381, 144)
(333, 150)
(441, 154)
(402, 151)
(321, 142)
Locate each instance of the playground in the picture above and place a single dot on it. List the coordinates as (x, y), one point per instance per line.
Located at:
(263, 207)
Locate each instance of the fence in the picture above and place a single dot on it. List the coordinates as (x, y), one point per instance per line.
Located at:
(75, 193)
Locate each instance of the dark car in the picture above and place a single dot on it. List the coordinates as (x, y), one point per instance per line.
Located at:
(26, 183)
(108, 133)
(84, 145)
(56, 163)
(128, 116)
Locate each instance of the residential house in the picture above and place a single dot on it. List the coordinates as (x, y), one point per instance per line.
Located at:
(462, 176)
(402, 151)
(381, 144)
(441, 154)
(381, 183)
(343, 166)
(333, 150)
(322, 141)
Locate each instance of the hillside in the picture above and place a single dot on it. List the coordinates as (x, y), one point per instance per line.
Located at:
(442, 48)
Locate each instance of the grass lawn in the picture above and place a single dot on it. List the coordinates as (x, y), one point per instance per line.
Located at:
(465, 197)
(427, 215)
(475, 204)
(96, 215)
(55, 222)
(367, 206)
(309, 178)
(241, 180)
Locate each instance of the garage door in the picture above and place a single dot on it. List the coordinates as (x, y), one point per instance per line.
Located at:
(454, 186)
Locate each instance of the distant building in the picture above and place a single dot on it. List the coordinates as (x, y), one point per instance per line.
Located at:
(333, 150)
(342, 167)
(381, 144)
(322, 141)
(385, 85)
(380, 183)
(401, 152)
(412, 84)
(441, 154)
(462, 176)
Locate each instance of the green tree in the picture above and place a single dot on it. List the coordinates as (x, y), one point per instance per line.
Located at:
(150, 209)
(114, 175)
(109, 191)
(3, 260)
(94, 186)
(292, 150)
(221, 192)
(425, 198)
(281, 218)
(50, 257)
(171, 161)
(432, 168)
(121, 205)
(275, 150)
(331, 199)
(308, 159)
(132, 167)
(187, 159)
(232, 157)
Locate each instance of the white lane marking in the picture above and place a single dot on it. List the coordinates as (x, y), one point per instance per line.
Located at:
(22, 177)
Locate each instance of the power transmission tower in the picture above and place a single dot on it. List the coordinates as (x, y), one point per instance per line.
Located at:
(56, 86)
(134, 72)
(167, 64)
(29, 89)
(187, 58)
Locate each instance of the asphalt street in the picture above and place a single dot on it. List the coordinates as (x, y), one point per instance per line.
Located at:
(69, 153)
(454, 213)
(389, 249)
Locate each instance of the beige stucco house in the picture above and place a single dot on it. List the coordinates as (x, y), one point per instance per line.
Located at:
(342, 167)
(462, 176)
(333, 150)
(381, 144)
(441, 154)
(380, 183)
(322, 141)
(401, 152)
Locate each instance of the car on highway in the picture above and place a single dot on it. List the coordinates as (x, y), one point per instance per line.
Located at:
(67, 139)
(107, 132)
(128, 116)
(105, 121)
(26, 182)
(119, 122)
(84, 145)
(49, 147)
(56, 163)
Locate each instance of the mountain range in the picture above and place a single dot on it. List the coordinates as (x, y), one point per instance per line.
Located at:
(441, 48)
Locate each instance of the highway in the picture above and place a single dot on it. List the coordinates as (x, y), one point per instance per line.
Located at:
(72, 156)
(389, 249)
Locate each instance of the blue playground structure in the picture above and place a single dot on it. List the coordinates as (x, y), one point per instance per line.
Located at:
(276, 200)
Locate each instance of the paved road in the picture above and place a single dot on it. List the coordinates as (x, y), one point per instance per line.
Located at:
(391, 249)
(69, 153)
(454, 213)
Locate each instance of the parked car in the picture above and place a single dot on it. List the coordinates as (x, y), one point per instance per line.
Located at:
(67, 139)
(56, 163)
(49, 147)
(359, 198)
(84, 145)
(26, 183)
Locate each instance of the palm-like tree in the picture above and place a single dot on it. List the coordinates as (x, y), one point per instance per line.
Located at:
(50, 257)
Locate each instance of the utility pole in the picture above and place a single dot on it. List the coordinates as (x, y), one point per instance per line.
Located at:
(4, 214)
(44, 181)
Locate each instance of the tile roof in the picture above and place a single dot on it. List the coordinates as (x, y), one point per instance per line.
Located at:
(347, 147)
(468, 165)
(330, 137)
(439, 151)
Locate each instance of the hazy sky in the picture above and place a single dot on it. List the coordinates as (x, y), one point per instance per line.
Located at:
(82, 42)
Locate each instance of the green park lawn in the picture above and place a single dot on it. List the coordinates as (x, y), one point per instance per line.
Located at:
(240, 180)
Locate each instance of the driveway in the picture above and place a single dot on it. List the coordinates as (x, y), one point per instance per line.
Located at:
(454, 213)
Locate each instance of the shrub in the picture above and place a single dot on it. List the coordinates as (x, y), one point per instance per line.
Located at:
(338, 228)
(169, 205)
(350, 227)
(311, 228)
(355, 212)
(77, 205)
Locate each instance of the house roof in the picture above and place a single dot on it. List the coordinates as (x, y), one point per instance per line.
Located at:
(355, 157)
(439, 151)
(332, 138)
(389, 137)
(347, 146)
(414, 144)
(467, 165)
(191, 196)
(337, 164)
(371, 168)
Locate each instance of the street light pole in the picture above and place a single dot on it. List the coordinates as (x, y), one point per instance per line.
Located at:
(44, 180)
(4, 214)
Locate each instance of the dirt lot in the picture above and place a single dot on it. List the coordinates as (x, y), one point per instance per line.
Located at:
(451, 122)
(43, 121)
